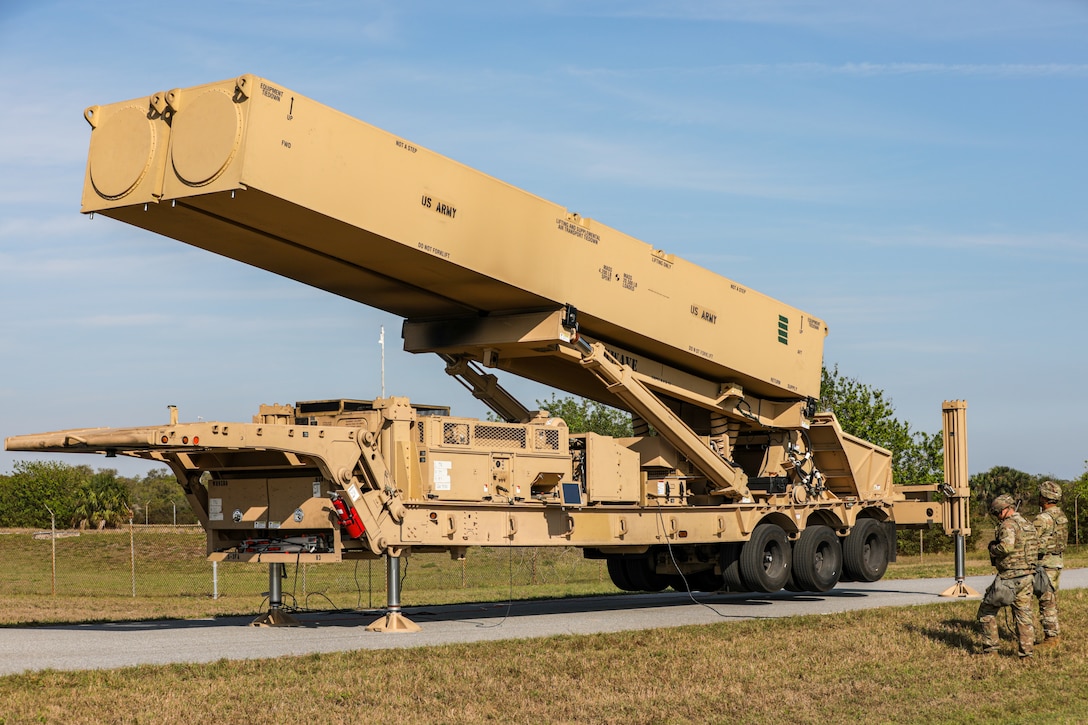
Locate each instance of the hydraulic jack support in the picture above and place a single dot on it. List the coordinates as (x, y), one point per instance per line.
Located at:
(275, 616)
(393, 621)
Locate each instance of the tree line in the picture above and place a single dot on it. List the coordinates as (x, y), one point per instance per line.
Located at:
(38, 494)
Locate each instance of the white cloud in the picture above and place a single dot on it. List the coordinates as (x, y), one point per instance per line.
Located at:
(1032, 242)
(872, 69)
(922, 19)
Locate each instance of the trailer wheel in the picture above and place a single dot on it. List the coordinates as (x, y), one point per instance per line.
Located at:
(730, 563)
(642, 576)
(865, 551)
(765, 559)
(791, 583)
(617, 572)
(817, 559)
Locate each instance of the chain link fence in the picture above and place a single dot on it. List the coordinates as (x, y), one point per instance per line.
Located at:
(142, 561)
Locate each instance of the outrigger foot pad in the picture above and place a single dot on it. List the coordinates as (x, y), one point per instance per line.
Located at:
(394, 622)
(275, 618)
(959, 589)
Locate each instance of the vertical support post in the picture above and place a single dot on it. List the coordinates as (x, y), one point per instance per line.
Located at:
(392, 579)
(956, 490)
(961, 558)
(275, 587)
(132, 554)
(53, 537)
(275, 616)
(393, 621)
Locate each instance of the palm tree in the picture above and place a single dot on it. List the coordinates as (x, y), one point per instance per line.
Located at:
(103, 502)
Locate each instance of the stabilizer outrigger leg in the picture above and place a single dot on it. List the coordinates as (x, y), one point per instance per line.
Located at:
(275, 616)
(956, 490)
(393, 621)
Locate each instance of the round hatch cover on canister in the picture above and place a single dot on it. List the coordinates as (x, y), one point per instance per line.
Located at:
(121, 151)
(204, 137)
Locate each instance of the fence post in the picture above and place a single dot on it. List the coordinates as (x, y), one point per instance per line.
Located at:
(215, 580)
(132, 552)
(53, 536)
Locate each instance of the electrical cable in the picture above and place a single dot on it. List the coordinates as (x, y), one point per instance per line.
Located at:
(672, 557)
(510, 596)
(746, 413)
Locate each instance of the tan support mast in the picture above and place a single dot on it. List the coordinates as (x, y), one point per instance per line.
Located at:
(957, 493)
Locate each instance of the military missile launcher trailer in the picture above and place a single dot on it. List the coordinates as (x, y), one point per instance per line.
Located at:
(732, 479)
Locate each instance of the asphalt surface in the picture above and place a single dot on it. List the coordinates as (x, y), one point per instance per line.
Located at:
(123, 644)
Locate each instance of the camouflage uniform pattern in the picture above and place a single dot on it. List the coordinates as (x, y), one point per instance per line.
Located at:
(1014, 551)
(1052, 528)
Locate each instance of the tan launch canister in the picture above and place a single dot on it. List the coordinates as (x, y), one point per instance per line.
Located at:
(254, 171)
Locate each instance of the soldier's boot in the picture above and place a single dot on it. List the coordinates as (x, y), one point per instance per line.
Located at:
(1026, 635)
(990, 638)
(1051, 640)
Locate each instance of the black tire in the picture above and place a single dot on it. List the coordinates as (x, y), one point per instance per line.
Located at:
(817, 559)
(617, 572)
(730, 563)
(865, 551)
(765, 559)
(791, 585)
(642, 576)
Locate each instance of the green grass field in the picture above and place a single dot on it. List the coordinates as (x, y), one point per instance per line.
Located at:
(897, 665)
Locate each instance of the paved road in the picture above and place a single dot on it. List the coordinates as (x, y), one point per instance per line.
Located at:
(105, 646)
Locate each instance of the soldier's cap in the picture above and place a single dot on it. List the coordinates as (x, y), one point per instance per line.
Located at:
(1050, 491)
(1002, 502)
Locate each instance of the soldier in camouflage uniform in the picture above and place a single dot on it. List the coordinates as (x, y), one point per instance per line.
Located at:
(1052, 527)
(1013, 552)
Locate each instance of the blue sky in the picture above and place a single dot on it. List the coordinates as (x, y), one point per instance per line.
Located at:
(911, 172)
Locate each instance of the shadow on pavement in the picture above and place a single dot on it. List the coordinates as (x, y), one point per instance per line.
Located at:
(477, 611)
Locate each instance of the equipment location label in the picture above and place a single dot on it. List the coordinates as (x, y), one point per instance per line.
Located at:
(442, 475)
(578, 231)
